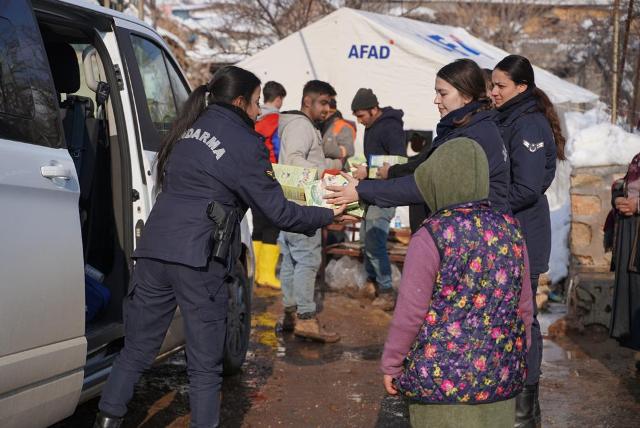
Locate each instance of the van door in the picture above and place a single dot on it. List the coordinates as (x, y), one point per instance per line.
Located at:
(158, 90)
(42, 343)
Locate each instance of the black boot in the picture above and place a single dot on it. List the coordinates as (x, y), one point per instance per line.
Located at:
(526, 407)
(107, 421)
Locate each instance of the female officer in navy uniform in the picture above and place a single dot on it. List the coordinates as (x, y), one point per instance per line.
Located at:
(211, 158)
(531, 131)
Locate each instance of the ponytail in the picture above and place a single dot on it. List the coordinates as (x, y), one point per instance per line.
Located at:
(225, 86)
(189, 113)
(547, 108)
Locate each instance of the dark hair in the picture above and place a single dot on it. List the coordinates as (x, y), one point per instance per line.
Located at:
(469, 79)
(317, 87)
(519, 69)
(488, 81)
(333, 105)
(226, 85)
(273, 90)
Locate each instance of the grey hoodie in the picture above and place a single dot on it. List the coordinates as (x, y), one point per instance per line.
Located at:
(266, 110)
(301, 143)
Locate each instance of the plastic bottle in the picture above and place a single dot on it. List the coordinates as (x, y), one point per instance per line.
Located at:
(397, 223)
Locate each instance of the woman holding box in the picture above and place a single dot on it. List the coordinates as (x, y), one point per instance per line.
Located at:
(212, 167)
(465, 110)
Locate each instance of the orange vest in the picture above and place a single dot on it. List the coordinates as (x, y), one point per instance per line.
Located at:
(339, 124)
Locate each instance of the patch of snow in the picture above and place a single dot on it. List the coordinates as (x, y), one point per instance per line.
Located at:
(596, 142)
(560, 227)
(560, 211)
(592, 141)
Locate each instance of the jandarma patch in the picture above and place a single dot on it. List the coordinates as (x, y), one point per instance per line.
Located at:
(270, 174)
(210, 140)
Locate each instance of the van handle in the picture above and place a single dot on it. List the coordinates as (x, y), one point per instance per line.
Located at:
(55, 171)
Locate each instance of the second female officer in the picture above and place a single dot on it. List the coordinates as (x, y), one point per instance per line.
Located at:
(531, 131)
(212, 167)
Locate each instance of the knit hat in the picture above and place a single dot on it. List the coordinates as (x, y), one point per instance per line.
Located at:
(456, 172)
(364, 100)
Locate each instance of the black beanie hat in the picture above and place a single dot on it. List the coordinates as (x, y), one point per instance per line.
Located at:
(364, 100)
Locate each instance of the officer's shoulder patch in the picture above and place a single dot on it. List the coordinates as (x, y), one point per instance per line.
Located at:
(270, 174)
(533, 147)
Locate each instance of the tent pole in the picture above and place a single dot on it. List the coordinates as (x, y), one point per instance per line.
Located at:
(625, 43)
(616, 31)
(633, 117)
(306, 51)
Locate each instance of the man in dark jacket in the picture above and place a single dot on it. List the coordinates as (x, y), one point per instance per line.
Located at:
(383, 135)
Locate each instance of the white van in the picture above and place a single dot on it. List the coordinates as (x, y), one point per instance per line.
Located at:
(86, 94)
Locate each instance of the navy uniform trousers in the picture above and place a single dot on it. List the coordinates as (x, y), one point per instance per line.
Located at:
(202, 296)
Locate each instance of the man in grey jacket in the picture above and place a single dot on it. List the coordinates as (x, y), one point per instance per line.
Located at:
(301, 145)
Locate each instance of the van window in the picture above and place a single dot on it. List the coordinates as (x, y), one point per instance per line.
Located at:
(15, 89)
(157, 82)
(28, 110)
(180, 92)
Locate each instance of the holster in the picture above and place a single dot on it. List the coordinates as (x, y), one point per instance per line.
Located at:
(226, 245)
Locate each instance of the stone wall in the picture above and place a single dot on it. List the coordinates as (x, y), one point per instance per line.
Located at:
(591, 292)
(590, 204)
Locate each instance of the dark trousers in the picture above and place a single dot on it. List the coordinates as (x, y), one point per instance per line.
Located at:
(534, 356)
(263, 229)
(202, 296)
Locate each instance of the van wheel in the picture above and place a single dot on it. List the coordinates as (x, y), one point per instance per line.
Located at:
(238, 321)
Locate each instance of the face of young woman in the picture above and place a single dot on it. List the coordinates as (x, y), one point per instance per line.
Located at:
(448, 98)
(504, 88)
(252, 108)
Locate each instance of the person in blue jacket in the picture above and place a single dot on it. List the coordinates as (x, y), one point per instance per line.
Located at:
(383, 135)
(465, 110)
(212, 167)
(531, 130)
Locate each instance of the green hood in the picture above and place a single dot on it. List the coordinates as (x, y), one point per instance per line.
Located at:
(456, 172)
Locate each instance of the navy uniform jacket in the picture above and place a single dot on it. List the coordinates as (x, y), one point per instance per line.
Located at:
(532, 150)
(221, 158)
(481, 128)
(386, 135)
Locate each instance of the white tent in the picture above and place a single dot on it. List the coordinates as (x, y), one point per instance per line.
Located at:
(397, 57)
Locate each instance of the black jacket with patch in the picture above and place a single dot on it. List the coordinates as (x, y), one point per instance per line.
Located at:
(222, 159)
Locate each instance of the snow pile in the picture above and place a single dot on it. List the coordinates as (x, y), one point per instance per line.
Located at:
(596, 142)
(591, 141)
(560, 210)
(560, 227)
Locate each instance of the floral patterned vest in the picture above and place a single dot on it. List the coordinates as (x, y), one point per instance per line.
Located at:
(471, 347)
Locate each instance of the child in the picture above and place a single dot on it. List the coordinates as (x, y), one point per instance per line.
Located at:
(456, 346)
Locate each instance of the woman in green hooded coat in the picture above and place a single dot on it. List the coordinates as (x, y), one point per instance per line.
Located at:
(457, 344)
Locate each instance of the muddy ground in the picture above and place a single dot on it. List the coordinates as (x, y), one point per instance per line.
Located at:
(588, 380)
